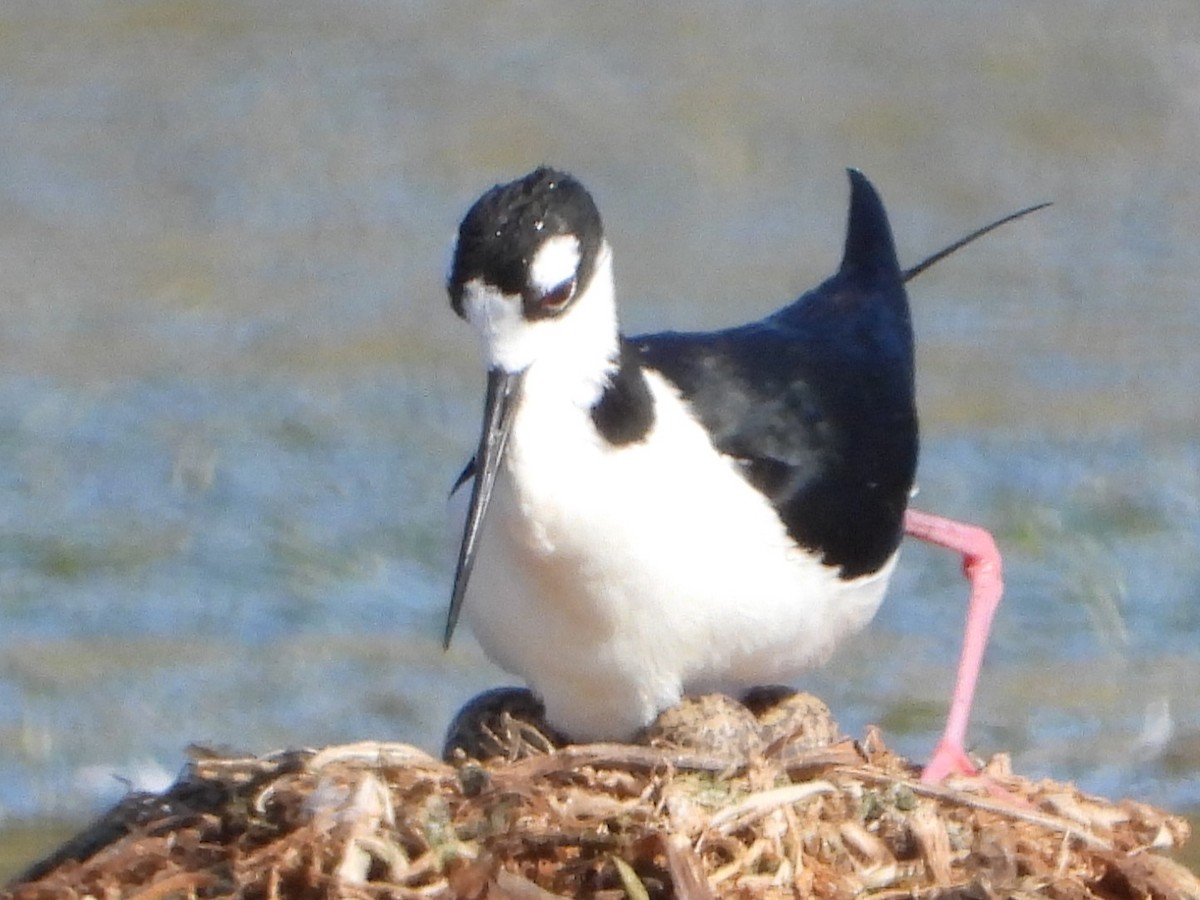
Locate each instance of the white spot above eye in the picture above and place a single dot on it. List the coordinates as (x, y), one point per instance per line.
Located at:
(556, 261)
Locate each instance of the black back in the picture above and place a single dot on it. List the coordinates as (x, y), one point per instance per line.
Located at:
(816, 402)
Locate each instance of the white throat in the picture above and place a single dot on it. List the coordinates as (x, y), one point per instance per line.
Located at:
(577, 349)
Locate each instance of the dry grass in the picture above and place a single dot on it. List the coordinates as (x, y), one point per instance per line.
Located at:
(839, 819)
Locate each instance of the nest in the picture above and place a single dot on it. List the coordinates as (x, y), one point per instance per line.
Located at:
(804, 814)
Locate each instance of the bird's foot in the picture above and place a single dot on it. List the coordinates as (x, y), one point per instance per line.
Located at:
(948, 759)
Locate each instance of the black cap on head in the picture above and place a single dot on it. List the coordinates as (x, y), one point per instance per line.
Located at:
(502, 231)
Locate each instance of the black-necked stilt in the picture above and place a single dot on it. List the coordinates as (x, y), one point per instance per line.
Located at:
(685, 512)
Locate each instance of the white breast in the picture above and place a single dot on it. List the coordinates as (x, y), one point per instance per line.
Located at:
(613, 579)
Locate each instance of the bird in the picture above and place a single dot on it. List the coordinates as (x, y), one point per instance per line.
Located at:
(687, 512)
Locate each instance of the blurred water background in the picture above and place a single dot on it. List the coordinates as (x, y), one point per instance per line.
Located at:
(233, 397)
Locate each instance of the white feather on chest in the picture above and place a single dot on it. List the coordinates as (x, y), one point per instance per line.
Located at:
(613, 579)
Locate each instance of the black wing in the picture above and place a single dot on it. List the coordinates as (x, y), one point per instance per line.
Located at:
(816, 402)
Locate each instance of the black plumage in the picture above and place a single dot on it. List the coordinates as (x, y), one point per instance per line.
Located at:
(816, 402)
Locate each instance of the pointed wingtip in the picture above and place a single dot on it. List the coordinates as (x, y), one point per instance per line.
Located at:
(869, 245)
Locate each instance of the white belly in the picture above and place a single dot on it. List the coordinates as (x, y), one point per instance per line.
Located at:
(614, 579)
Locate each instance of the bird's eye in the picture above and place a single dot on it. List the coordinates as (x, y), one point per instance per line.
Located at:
(557, 297)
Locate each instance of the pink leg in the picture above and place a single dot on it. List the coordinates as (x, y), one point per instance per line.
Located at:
(981, 565)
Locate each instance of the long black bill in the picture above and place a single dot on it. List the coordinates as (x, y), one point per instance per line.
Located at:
(503, 388)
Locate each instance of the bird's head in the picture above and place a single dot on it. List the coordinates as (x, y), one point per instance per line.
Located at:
(528, 253)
